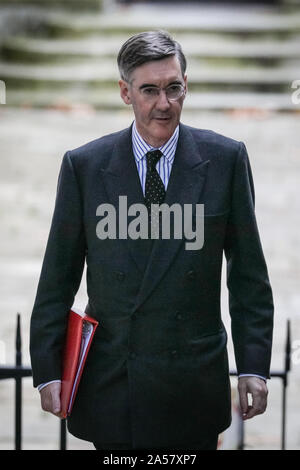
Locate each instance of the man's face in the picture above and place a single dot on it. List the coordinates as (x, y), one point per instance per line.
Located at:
(156, 119)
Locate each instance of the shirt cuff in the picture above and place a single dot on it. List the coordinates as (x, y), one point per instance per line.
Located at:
(41, 386)
(253, 375)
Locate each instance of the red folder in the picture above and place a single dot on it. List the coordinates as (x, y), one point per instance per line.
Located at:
(80, 332)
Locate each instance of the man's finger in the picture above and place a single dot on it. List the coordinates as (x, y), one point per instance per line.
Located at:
(55, 403)
(258, 406)
(243, 398)
(50, 399)
(258, 391)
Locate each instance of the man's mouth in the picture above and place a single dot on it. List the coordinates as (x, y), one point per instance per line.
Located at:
(162, 118)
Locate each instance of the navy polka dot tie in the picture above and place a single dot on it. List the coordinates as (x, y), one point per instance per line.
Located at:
(154, 187)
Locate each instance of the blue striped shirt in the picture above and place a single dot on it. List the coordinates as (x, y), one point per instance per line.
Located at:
(164, 165)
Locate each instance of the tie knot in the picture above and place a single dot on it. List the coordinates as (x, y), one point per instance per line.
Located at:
(152, 159)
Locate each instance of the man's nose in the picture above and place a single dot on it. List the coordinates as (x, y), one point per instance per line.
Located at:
(162, 101)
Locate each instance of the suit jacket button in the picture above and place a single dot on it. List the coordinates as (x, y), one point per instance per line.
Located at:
(132, 355)
(174, 353)
(191, 274)
(120, 275)
(178, 316)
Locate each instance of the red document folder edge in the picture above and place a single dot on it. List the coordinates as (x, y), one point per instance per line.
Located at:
(80, 332)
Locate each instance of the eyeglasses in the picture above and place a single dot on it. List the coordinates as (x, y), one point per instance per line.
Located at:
(173, 92)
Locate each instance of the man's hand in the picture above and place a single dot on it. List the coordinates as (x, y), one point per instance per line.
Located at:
(259, 391)
(50, 398)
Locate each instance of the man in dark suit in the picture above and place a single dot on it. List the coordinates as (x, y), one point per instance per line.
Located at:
(157, 372)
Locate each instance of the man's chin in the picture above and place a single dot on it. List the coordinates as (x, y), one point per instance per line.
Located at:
(163, 128)
(158, 132)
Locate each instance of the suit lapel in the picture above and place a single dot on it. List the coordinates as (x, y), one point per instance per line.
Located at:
(121, 178)
(185, 186)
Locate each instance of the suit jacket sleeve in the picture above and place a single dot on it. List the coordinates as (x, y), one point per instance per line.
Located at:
(60, 277)
(250, 294)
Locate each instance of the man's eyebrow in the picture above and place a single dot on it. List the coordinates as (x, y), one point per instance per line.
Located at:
(146, 85)
(172, 82)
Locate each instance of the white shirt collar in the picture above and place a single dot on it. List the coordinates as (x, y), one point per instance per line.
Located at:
(140, 147)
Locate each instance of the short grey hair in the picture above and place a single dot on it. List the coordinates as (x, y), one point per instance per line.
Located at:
(145, 47)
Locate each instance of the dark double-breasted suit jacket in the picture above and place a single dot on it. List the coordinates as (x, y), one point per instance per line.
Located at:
(157, 372)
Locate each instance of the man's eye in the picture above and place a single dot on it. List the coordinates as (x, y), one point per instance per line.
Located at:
(174, 88)
(150, 91)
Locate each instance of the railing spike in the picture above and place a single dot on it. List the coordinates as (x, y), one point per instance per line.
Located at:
(18, 390)
(18, 341)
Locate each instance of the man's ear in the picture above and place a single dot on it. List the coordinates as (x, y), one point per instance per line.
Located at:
(124, 92)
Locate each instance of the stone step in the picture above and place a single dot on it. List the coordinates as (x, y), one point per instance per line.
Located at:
(199, 46)
(105, 73)
(245, 21)
(86, 100)
(182, 18)
(65, 4)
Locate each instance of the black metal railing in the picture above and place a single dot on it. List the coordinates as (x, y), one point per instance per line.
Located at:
(18, 372)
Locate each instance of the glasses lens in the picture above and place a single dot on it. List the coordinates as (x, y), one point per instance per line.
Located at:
(174, 92)
(150, 92)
